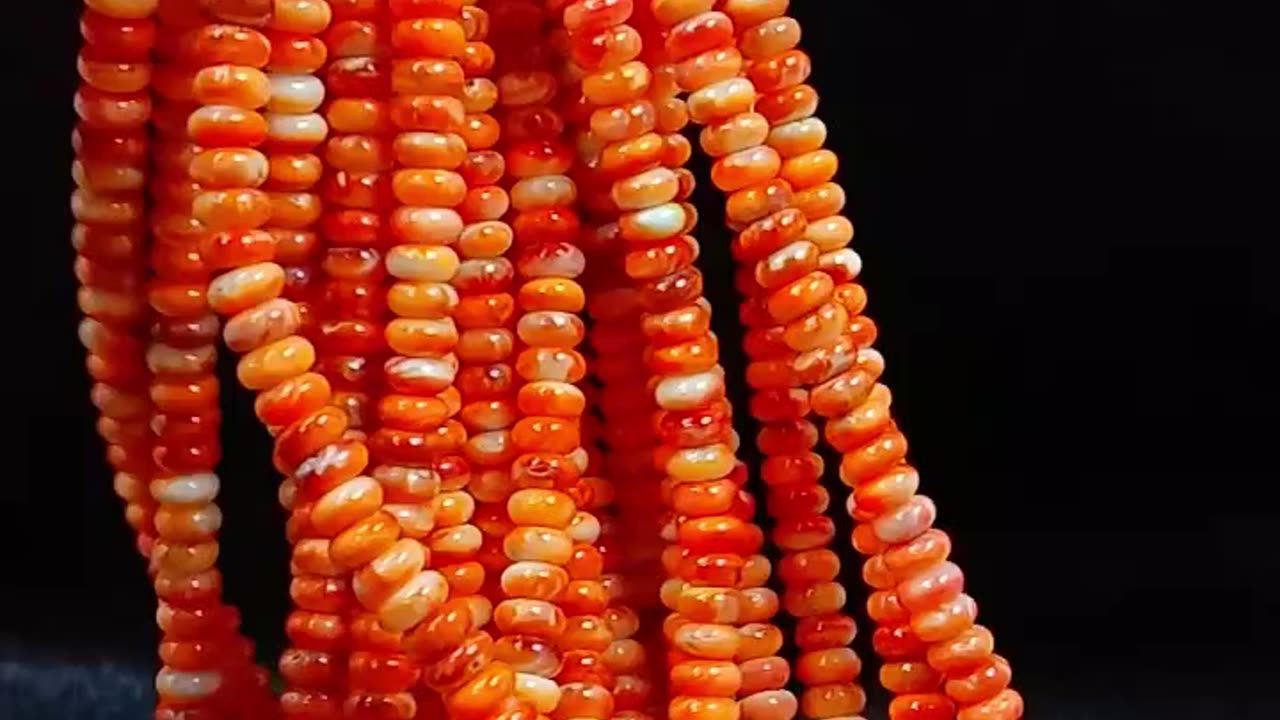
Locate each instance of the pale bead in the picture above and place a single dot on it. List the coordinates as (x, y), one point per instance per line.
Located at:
(542, 693)
(437, 370)
(543, 191)
(166, 360)
(296, 129)
(906, 523)
(580, 458)
(422, 263)
(295, 94)
(188, 686)
(412, 602)
(585, 528)
(653, 223)
(798, 137)
(456, 540)
(688, 392)
(542, 544)
(479, 95)
(846, 263)
(721, 100)
(428, 225)
(193, 489)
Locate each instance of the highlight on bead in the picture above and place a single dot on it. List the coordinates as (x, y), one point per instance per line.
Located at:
(452, 248)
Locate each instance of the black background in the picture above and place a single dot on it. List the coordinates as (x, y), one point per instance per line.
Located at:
(1062, 208)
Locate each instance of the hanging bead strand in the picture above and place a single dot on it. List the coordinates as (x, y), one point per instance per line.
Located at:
(358, 161)
(486, 308)
(111, 243)
(201, 646)
(297, 54)
(783, 356)
(716, 622)
(553, 590)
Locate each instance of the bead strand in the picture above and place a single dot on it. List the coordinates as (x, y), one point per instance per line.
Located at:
(331, 526)
(626, 402)
(111, 243)
(295, 130)
(200, 633)
(711, 520)
(358, 161)
(486, 308)
(790, 284)
(428, 38)
(555, 578)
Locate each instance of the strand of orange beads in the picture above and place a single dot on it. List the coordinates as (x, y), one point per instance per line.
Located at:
(200, 640)
(446, 641)
(358, 161)
(350, 308)
(338, 514)
(554, 632)
(486, 308)
(799, 344)
(715, 622)
(111, 243)
(297, 54)
(264, 325)
(626, 402)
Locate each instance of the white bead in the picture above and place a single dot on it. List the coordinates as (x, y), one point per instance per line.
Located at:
(542, 693)
(309, 128)
(296, 94)
(657, 222)
(686, 392)
(193, 489)
(187, 685)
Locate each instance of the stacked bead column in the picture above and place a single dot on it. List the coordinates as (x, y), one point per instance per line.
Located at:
(264, 325)
(553, 588)
(418, 435)
(486, 308)
(200, 642)
(799, 340)
(712, 522)
(297, 53)
(354, 227)
(110, 240)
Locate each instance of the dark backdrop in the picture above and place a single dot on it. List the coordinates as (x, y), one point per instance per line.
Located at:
(1061, 210)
